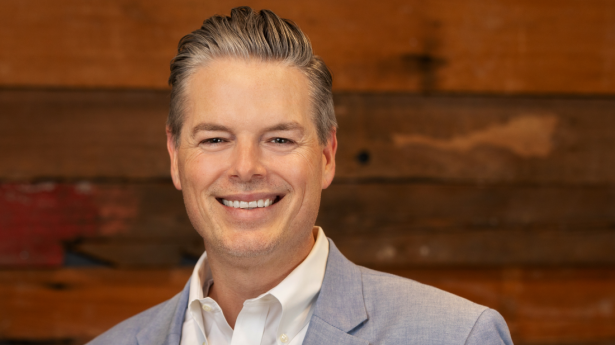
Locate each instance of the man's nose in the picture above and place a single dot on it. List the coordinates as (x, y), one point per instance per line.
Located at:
(247, 163)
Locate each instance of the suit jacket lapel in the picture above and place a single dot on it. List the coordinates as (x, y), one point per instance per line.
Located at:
(166, 326)
(340, 306)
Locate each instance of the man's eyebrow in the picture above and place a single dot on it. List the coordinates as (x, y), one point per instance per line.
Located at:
(209, 127)
(287, 126)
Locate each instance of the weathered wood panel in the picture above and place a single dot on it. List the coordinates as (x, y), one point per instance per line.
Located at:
(79, 304)
(74, 134)
(397, 225)
(479, 139)
(431, 224)
(481, 248)
(356, 209)
(120, 134)
(394, 45)
(555, 306)
(35, 219)
(134, 224)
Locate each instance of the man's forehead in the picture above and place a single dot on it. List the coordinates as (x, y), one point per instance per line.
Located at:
(235, 90)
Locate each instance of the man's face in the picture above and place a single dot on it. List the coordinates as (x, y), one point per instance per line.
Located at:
(248, 140)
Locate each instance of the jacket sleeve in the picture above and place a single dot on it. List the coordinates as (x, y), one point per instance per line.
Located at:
(489, 329)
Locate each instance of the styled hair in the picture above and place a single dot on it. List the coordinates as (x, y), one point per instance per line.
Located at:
(248, 34)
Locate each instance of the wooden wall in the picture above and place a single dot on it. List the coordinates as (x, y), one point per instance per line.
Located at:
(476, 155)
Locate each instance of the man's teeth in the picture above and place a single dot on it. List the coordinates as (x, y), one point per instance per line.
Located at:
(246, 204)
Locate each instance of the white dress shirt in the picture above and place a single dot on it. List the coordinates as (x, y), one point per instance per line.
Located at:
(279, 316)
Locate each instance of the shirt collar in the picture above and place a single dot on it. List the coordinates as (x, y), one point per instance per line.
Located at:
(200, 274)
(296, 292)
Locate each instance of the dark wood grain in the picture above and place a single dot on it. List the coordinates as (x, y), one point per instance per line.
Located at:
(466, 139)
(395, 224)
(393, 207)
(480, 139)
(503, 46)
(83, 134)
(541, 306)
(432, 224)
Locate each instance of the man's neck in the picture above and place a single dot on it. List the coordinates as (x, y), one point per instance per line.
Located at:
(239, 279)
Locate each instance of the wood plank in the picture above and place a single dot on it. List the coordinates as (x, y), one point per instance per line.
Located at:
(433, 225)
(482, 248)
(554, 306)
(75, 134)
(479, 139)
(35, 219)
(505, 46)
(395, 224)
(468, 139)
(125, 225)
(79, 303)
(349, 209)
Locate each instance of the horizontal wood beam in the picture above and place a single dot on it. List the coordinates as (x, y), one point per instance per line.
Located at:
(397, 225)
(476, 139)
(79, 304)
(60, 135)
(554, 306)
(83, 134)
(146, 222)
(504, 46)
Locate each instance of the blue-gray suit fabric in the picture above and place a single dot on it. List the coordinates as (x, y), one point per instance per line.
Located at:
(355, 306)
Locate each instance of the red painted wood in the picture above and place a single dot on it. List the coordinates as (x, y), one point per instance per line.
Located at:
(36, 218)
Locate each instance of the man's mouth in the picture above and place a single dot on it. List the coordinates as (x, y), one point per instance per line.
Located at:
(248, 205)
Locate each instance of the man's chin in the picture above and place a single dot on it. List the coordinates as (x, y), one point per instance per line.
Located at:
(246, 246)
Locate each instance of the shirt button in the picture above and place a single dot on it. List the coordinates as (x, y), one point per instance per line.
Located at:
(206, 307)
(284, 338)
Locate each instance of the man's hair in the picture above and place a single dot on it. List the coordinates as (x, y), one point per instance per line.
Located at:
(247, 34)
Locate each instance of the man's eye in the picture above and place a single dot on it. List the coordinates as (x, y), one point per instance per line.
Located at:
(213, 141)
(280, 141)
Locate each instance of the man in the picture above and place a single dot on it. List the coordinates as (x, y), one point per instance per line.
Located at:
(252, 140)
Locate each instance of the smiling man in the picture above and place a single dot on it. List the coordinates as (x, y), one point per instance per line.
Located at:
(252, 140)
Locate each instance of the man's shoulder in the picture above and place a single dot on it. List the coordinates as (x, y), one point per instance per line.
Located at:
(425, 313)
(126, 332)
(385, 288)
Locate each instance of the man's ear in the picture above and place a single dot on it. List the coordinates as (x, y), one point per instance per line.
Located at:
(328, 158)
(174, 159)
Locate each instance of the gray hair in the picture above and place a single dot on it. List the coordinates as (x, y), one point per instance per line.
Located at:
(248, 34)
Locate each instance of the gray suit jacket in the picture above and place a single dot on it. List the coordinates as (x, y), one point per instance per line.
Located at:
(355, 306)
